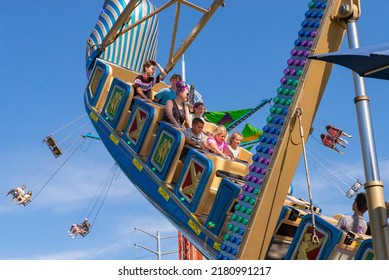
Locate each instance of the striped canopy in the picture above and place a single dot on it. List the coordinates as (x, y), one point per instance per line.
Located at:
(132, 48)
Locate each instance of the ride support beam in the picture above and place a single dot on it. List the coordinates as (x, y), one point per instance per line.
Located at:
(288, 149)
(374, 187)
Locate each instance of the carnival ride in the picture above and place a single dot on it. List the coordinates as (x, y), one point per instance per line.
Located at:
(227, 209)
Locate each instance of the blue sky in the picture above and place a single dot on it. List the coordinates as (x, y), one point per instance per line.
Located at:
(237, 60)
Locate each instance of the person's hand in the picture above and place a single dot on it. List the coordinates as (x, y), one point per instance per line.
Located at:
(148, 100)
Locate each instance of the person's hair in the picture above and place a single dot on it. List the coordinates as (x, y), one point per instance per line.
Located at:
(220, 129)
(176, 77)
(198, 104)
(181, 87)
(361, 202)
(148, 63)
(328, 126)
(234, 135)
(197, 121)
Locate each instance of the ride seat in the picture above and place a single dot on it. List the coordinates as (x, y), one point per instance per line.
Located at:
(209, 127)
(245, 155)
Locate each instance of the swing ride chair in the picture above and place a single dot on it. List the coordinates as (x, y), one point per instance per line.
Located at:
(15, 198)
(53, 146)
(93, 209)
(26, 202)
(226, 209)
(82, 232)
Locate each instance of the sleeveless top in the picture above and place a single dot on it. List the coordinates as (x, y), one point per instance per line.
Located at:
(178, 114)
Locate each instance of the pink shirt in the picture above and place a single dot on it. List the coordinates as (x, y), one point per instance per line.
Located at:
(221, 145)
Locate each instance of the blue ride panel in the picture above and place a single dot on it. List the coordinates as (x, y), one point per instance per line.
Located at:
(194, 176)
(365, 251)
(140, 119)
(117, 97)
(96, 82)
(226, 193)
(284, 232)
(166, 149)
(302, 247)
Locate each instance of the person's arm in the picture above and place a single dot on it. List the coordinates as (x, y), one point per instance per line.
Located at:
(202, 145)
(202, 142)
(195, 144)
(211, 144)
(228, 152)
(162, 71)
(140, 92)
(159, 96)
(188, 119)
(189, 141)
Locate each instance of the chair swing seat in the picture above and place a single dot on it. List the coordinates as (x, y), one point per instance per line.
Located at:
(54, 148)
(83, 234)
(26, 202)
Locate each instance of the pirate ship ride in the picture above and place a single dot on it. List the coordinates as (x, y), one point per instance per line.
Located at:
(227, 209)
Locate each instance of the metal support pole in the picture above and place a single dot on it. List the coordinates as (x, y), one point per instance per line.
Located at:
(373, 186)
(314, 238)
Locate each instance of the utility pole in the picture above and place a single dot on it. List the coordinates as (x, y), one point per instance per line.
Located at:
(158, 237)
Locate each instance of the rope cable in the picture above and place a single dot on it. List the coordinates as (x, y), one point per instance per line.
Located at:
(35, 173)
(56, 171)
(70, 123)
(100, 196)
(328, 169)
(314, 238)
(328, 177)
(106, 193)
(87, 123)
(333, 165)
(48, 163)
(88, 144)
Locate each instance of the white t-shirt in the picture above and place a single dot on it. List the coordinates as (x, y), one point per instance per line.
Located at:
(353, 223)
(198, 138)
(193, 116)
(235, 153)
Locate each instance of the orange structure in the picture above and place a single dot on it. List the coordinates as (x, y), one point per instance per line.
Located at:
(186, 250)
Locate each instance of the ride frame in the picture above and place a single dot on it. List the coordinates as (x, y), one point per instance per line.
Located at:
(344, 14)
